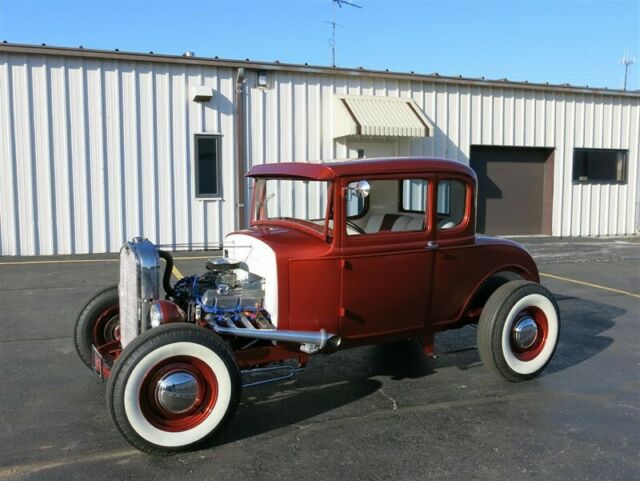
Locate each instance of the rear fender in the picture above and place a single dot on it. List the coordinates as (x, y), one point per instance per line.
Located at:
(489, 284)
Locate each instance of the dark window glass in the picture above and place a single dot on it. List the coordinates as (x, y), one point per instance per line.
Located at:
(208, 182)
(451, 203)
(599, 165)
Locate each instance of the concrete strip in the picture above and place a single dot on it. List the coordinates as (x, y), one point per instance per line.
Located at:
(11, 472)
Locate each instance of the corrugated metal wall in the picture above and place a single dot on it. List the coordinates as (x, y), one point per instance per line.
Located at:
(95, 152)
(290, 120)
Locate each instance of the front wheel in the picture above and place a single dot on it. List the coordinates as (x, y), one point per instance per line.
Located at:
(173, 388)
(98, 324)
(518, 330)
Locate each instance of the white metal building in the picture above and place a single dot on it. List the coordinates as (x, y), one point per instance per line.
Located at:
(97, 147)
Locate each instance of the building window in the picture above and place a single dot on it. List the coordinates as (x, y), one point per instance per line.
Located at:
(208, 168)
(599, 166)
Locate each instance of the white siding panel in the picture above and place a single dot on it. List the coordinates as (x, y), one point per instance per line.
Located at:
(9, 221)
(462, 116)
(95, 151)
(41, 138)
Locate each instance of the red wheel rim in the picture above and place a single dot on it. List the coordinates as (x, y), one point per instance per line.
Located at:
(205, 399)
(542, 325)
(106, 329)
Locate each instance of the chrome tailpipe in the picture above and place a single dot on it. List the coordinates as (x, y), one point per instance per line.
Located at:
(310, 341)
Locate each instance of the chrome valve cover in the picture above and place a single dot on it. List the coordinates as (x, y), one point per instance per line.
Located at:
(139, 286)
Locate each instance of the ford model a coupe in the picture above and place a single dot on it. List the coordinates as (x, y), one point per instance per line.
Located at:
(338, 255)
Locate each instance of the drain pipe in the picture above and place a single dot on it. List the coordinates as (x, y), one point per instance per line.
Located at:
(239, 148)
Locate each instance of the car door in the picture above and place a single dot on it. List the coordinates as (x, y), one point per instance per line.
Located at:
(387, 267)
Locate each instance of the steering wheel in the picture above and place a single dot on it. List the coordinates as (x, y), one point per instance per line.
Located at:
(355, 227)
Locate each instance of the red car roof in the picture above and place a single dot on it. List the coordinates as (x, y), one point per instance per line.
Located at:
(330, 170)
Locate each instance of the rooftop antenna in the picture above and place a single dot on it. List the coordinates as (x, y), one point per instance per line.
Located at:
(334, 24)
(627, 62)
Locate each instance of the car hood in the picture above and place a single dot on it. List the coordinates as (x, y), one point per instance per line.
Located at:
(288, 242)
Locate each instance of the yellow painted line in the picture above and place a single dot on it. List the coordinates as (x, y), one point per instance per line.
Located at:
(176, 272)
(67, 261)
(83, 261)
(589, 284)
(12, 472)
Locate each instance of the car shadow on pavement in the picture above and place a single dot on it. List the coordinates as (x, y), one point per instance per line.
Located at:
(348, 376)
(583, 323)
(265, 410)
(333, 382)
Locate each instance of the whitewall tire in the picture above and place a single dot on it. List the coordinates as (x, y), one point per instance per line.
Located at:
(173, 388)
(518, 330)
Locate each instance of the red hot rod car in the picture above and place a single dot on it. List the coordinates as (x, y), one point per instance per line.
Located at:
(338, 255)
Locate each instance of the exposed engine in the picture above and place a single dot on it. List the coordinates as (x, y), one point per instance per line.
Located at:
(227, 299)
(227, 295)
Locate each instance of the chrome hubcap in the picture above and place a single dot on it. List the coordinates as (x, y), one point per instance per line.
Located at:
(525, 332)
(110, 332)
(177, 392)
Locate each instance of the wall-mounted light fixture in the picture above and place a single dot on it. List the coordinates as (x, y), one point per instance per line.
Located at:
(262, 78)
(201, 93)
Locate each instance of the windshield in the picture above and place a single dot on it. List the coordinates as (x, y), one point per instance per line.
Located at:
(301, 201)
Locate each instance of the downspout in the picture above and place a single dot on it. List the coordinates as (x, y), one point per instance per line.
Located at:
(239, 148)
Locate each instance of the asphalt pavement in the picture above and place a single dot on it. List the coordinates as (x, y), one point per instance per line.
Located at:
(373, 413)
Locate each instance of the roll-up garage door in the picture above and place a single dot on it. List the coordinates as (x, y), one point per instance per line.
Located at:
(514, 189)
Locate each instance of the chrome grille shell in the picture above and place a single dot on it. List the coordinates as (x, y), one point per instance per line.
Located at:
(139, 286)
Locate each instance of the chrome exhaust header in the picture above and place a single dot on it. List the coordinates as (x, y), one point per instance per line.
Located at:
(310, 341)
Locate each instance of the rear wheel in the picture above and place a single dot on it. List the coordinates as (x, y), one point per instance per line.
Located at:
(173, 388)
(98, 323)
(518, 330)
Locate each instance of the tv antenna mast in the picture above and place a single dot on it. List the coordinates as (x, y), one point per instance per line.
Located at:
(334, 24)
(627, 62)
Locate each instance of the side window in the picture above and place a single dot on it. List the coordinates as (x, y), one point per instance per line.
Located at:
(414, 195)
(355, 206)
(390, 205)
(207, 168)
(451, 203)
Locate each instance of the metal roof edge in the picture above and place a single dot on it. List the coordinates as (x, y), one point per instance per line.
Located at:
(309, 69)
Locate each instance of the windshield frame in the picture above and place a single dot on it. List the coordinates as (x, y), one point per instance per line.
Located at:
(320, 230)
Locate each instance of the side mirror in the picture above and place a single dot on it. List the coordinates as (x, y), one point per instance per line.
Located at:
(361, 188)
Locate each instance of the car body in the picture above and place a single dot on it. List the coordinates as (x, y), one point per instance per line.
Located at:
(337, 255)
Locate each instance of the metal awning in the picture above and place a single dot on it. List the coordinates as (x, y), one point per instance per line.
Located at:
(379, 117)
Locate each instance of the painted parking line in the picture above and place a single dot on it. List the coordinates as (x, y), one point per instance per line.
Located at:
(589, 284)
(83, 261)
(176, 272)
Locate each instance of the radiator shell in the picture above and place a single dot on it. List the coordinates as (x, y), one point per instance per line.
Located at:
(139, 286)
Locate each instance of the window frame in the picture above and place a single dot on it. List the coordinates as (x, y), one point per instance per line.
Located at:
(219, 184)
(625, 167)
(260, 193)
(387, 237)
(469, 204)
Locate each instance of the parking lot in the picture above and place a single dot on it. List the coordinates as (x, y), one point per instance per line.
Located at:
(373, 413)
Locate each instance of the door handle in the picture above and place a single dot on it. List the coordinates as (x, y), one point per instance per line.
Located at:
(431, 245)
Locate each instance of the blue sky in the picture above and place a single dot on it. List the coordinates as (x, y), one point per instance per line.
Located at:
(578, 42)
